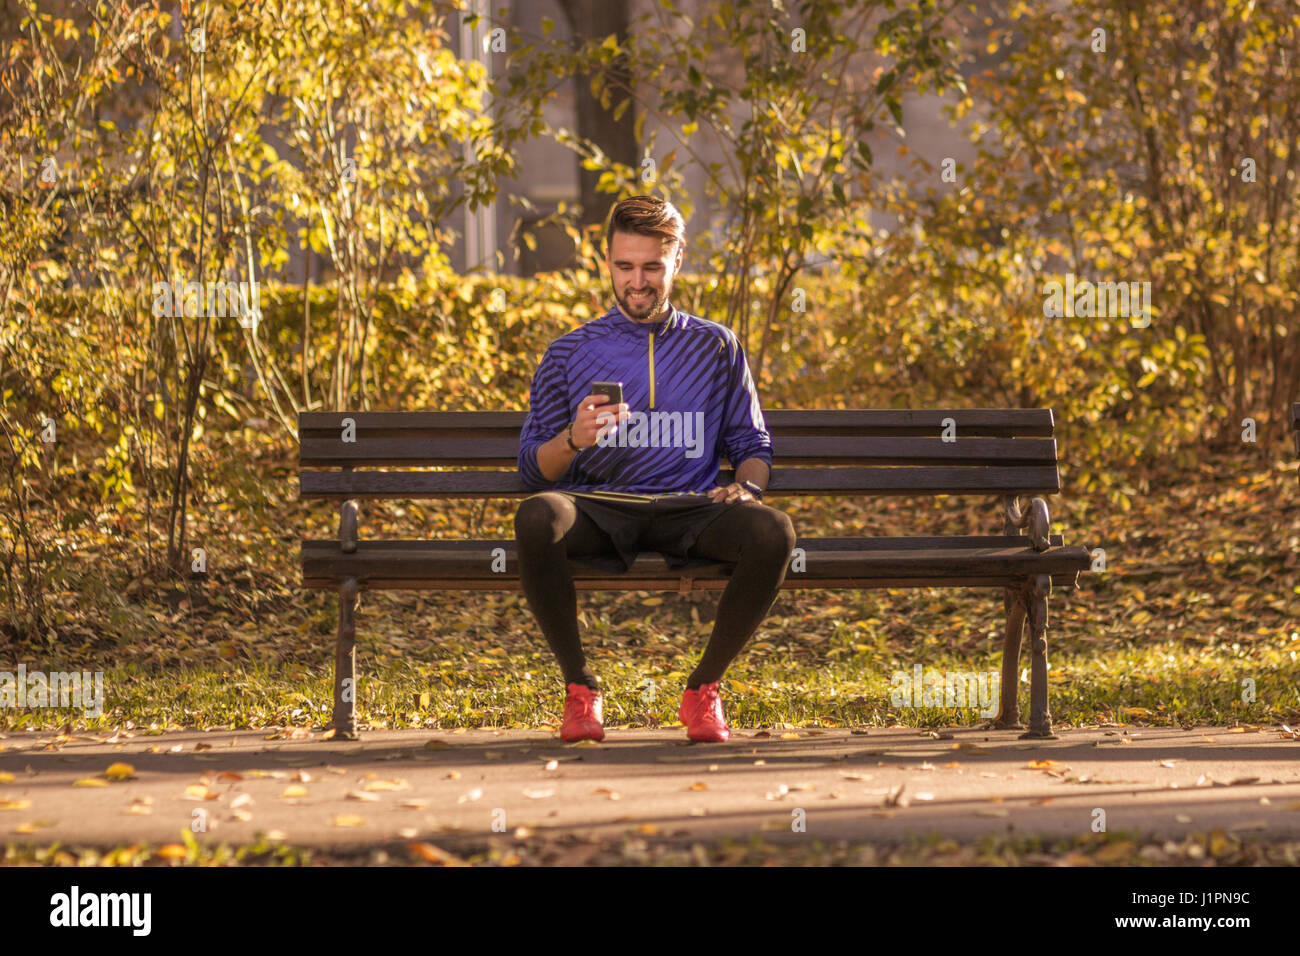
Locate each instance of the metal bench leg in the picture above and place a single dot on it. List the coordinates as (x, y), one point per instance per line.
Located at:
(1040, 718)
(1013, 602)
(345, 664)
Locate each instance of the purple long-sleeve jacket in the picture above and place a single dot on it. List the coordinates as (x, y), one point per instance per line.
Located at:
(691, 396)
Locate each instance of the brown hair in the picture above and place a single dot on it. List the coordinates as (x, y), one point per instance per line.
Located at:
(646, 216)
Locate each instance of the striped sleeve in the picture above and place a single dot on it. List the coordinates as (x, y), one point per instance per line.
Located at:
(548, 413)
(744, 432)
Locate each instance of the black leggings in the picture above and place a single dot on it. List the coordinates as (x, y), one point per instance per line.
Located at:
(549, 529)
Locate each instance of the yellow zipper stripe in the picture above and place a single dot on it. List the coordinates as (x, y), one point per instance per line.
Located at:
(652, 370)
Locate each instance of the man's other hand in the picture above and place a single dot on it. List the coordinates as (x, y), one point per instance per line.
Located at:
(733, 492)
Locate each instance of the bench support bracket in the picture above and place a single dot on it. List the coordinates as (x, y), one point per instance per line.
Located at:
(1034, 519)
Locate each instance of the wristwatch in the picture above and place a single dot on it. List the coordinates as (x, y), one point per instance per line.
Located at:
(753, 489)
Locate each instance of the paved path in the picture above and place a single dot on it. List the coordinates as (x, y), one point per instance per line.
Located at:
(460, 789)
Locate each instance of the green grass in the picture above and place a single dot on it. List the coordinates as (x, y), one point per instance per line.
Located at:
(1121, 848)
(1168, 684)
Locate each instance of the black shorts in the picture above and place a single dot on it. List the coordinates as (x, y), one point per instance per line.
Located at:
(668, 524)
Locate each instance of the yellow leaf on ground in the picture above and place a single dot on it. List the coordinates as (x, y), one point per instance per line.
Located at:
(6, 777)
(1042, 764)
(388, 785)
(120, 771)
(294, 790)
(349, 820)
(437, 745)
(171, 851)
(435, 854)
(90, 782)
(15, 804)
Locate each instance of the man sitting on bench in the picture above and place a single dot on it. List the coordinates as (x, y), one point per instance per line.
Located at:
(619, 481)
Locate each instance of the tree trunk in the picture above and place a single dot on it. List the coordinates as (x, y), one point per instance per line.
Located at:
(595, 20)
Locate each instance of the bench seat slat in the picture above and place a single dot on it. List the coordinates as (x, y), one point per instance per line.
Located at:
(629, 582)
(431, 564)
(926, 480)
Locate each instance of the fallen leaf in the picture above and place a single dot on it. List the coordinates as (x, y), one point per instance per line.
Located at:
(348, 820)
(15, 804)
(433, 854)
(1042, 764)
(698, 786)
(436, 744)
(294, 790)
(90, 782)
(533, 794)
(171, 851)
(120, 771)
(6, 777)
(362, 795)
(388, 785)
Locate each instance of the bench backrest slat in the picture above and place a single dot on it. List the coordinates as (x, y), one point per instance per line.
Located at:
(785, 481)
(988, 422)
(803, 450)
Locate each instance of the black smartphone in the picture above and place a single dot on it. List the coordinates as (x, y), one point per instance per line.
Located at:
(614, 390)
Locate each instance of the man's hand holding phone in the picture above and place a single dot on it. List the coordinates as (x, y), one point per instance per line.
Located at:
(596, 414)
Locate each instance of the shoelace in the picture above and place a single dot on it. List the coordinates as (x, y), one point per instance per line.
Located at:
(709, 704)
(581, 708)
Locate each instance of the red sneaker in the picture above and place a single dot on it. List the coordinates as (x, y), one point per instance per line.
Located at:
(583, 715)
(701, 712)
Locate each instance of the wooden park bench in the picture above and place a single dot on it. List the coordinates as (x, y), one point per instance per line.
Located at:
(1008, 453)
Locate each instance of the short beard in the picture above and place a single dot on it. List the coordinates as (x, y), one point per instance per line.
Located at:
(654, 308)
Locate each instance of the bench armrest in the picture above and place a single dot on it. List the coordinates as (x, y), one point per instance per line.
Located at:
(1035, 519)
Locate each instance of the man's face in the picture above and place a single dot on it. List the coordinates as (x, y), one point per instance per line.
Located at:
(641, 269)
